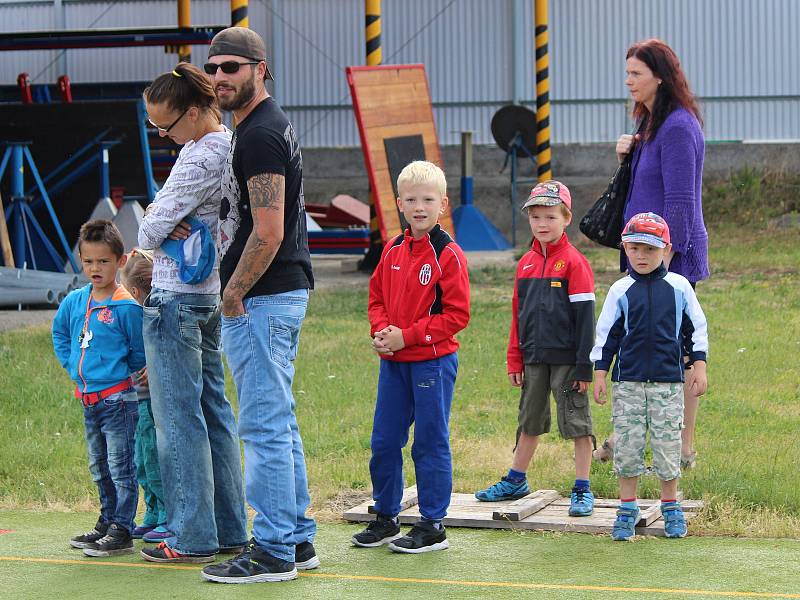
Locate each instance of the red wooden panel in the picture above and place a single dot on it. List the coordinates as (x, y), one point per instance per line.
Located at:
(392, 101)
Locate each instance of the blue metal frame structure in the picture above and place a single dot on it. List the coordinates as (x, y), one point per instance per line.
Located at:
(100, 157)
(67, 163)
(152, 188)
(20, 216)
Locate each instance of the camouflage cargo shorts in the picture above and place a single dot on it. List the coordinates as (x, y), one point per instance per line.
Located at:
(638, 407)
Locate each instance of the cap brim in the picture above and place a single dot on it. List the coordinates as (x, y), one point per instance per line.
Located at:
(542, 201)
(644, 238)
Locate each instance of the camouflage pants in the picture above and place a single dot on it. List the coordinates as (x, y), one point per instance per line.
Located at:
(638, 407)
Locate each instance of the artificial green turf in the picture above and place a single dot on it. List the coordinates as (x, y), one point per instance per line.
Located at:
(707, 564)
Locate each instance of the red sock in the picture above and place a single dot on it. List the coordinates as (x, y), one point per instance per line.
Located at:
(628, 499)
(675, 500)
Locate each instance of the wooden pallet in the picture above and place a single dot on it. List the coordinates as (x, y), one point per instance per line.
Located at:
(543, 510)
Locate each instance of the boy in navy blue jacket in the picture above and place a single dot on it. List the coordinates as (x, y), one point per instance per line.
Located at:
(650, 321)
(97, 338)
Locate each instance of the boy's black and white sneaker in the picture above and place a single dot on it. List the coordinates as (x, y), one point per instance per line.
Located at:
(425, 536)
(117, 540)
(83, 540)
(379, 532)
(254, 565)
(305, 557)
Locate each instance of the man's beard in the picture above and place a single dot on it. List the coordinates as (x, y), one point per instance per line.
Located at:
(241, 98)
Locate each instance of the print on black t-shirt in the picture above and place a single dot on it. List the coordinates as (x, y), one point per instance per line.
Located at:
(265, 142)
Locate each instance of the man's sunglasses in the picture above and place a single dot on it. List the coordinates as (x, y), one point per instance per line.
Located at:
(175, 122)
(229, 66)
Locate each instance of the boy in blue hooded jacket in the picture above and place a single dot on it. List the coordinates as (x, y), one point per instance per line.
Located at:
(97, 338)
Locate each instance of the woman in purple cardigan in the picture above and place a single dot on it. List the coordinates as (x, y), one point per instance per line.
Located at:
(667, 174)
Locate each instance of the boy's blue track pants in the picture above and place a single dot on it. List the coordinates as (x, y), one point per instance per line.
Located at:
(418, 393)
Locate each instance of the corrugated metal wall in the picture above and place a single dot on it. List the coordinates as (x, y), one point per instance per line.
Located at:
(740, 57)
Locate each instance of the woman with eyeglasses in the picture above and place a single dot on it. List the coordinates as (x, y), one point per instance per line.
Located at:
(198, 446)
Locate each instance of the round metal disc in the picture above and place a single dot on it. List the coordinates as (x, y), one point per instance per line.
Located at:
(513, 119)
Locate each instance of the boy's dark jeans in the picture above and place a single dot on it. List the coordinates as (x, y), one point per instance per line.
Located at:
(110, 426)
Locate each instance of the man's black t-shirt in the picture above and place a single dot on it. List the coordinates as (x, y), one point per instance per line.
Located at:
(265, 142)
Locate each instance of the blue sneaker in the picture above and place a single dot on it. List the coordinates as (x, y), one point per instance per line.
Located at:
(674, 521)
(581, 503)
(625, 525)
(505, 489)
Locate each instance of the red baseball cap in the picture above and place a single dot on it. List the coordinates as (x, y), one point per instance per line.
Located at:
(549, 193)
(647, 228)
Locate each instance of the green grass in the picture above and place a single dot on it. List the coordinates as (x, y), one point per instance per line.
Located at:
(752, 195)
(747, 427)
(479, 563)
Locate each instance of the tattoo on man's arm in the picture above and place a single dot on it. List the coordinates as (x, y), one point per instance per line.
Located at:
(256, 257)
(266, 190)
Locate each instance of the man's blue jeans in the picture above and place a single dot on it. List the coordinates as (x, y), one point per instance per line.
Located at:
(198, 449)
(260, 346)
(110, 428)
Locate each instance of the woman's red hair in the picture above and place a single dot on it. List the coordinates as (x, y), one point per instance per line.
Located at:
(672, 93)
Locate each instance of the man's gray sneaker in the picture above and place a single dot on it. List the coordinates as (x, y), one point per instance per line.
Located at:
(254, 565)
(305, 557)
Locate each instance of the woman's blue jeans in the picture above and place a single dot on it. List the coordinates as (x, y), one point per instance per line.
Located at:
(198, 449)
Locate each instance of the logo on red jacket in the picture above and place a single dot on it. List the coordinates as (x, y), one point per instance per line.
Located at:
(105, 316)
(425, 274)
(560, 264)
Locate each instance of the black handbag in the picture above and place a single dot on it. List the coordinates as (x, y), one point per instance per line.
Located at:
(603, 222)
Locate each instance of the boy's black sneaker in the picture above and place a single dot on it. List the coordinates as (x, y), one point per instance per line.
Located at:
(254, 565)
(117, 540)
(83, 540)
(305, 557)
(424, 536)
(381, 531)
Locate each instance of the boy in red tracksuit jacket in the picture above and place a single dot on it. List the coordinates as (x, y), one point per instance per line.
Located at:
(552, 330)
(418, 300)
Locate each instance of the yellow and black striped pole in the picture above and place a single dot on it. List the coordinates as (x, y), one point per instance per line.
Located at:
(374, 56)
(544, 170)
(239, 14)
(184, 20)
(373, 32)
